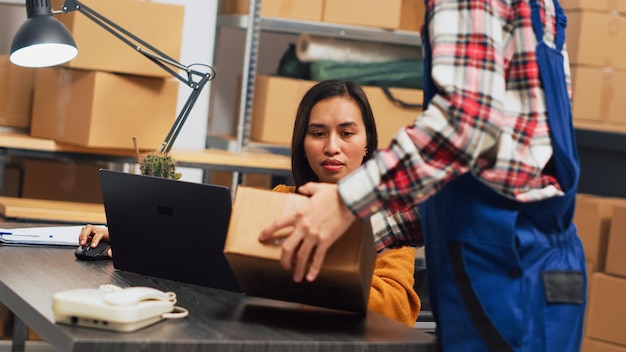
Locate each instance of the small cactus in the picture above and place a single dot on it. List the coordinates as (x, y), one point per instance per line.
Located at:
(160, 165)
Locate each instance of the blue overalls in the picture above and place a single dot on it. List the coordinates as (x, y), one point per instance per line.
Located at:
(505, 275)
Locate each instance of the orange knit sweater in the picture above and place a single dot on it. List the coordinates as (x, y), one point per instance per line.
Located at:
(391, 293)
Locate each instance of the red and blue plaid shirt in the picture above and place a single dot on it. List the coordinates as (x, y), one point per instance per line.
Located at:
(488, 116)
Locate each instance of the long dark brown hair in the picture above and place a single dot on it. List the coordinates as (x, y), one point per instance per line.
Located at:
(300, 168)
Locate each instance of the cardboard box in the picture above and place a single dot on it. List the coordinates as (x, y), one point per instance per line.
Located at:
(615, 258)
(62, 180)
(595, 33)
(274, 108)
(225, 178)
(605, 315)
(32, 335)
(276, 102)
(593, 219)
(12, 182)
(596, 95)
(389, 116)
(412, 15)
(591, 345)
(310, 10)
(158, 24)
(344, 280)
(16, 94)
(618, 6)
(6, 328)
(411, 12)
(369, 13)
(102, 110)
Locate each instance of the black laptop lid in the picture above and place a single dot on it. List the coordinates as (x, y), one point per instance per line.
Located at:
(168, 228)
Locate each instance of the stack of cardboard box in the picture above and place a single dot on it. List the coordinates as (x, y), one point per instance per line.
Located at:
(405, 15)
(389, 14)
(601, 223)
(595, 39)
(16, 94)
(310, 10)
(110, 92)
(101, 99)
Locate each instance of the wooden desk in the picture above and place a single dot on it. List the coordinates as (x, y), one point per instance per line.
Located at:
(20, 144)
(218, 320)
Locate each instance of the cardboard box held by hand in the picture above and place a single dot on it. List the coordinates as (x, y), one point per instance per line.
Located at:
(346, 275)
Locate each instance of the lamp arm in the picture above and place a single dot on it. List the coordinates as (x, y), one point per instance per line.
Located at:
(167, 144)
(158, 57)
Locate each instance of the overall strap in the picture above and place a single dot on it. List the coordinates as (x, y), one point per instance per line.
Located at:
(555, 214)
(561, 23)
(429, 84)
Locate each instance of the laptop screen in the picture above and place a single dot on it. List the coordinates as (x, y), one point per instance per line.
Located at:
(168, 228)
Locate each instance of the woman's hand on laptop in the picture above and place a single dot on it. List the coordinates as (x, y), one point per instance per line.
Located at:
(93, 235)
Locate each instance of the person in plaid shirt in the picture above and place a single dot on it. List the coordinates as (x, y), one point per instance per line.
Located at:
(492, 165)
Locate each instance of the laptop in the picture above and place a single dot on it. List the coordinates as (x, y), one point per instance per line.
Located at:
(168, 228)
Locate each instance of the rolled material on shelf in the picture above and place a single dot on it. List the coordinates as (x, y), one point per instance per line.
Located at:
(312, 48)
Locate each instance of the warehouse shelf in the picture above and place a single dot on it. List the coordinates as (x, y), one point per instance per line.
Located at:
(253, 24)
(282, 25)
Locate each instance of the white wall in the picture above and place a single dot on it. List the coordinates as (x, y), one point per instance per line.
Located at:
(11, 17)
(197, 47)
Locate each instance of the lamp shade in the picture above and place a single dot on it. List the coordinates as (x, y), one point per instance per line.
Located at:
(42, 41)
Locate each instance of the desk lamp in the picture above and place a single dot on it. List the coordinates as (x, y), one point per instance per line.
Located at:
(43, 41)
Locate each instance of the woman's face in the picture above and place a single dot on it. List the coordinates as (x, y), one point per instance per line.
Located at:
(336, 139)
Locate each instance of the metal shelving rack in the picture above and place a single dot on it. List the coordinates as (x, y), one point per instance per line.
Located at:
(253, 24)
(283, 25)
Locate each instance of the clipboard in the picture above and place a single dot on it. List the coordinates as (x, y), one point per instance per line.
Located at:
(48, 236)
